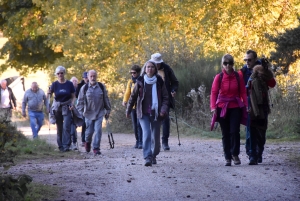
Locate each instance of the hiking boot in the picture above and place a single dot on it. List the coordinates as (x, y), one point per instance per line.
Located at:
(87, 146)
(252, 161)
(165, 146)
(228, 162)
(236, 160)
(148, 162)
(154, 161)
(259, 159)
(136, 145)
(73, 146)
(96, 152)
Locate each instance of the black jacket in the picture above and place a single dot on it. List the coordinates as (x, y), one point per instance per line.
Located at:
(171, 82)
(78, 88)
(12, 98)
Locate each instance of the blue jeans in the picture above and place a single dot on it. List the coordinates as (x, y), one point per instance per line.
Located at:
(63, 126)
(136, 127)
(151, 135)
(166, 129)
(36, 122)
(73, 132)
(230, 126)
(91, 127)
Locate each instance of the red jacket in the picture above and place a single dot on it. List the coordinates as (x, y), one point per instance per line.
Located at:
(229, 88)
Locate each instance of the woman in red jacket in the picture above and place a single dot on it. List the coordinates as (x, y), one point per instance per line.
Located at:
(227, 100)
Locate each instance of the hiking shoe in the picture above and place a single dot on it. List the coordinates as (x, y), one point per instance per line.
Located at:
(154, 161)
(236, 160)
(259, 159)
(66, 149)
(96, 152)
(228, 162)
(61, 149)
(73, 146)
(136, 145)
(252, 161)
(165, 146)
(87, 146)
(148, 162)
(140, 146)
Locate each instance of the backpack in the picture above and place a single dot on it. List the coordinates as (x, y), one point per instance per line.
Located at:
(236, 76)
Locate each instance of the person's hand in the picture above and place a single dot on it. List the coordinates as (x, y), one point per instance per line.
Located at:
(127, 116)
(71, 107)
(173, 93)
(49, 91)
(213, 111)
(24, 114)
(124, 103)
(161, 114)
(249, 110)
(106, 115)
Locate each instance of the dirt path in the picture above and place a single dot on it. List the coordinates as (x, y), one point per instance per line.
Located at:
(193, 171)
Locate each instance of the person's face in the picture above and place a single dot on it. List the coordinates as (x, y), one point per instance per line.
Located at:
(3, 85)
(92, 78)
(250, 60)
(34, 87)
(228, 65)
(75, 83)
(134, 73)
(150, 69)
(86, 79)
(60, 75)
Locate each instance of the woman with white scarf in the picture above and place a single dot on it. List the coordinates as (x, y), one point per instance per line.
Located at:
(151, 98)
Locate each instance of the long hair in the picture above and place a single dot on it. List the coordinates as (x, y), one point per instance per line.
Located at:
(143, 71)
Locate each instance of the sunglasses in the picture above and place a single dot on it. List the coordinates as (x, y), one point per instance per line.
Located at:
(133, 73)
(226, 63)
(249, 60)
(60, 73)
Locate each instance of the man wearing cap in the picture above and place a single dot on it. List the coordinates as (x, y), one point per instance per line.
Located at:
(171, 82)
(84, 81)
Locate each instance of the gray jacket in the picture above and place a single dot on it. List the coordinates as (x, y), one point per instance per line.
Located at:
(94, 103)
(34, 101)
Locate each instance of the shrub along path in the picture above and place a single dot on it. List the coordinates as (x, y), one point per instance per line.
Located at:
(193, 171)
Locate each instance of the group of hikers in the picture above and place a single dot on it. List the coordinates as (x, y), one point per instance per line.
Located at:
(237, 97)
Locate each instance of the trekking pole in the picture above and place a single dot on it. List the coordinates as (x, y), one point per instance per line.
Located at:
(49, 110)
(176, 121)
(110, 135)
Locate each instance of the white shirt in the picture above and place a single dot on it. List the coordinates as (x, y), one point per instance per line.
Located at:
(4, 98)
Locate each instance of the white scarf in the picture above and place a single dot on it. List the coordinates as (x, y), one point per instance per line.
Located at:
(152, 81)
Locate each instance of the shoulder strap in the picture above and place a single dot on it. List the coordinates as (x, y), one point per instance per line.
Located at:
(237, 78)
(86, 86)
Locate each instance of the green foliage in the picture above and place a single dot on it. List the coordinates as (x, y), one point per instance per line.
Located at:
(8, 134)
(14, 189)
(38, 191)
(287, 48)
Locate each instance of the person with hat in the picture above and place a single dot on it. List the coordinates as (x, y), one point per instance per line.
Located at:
(135, 73)
(171, 82)
(84, 81)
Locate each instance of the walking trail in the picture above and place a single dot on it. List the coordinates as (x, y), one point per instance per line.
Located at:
(193, 171)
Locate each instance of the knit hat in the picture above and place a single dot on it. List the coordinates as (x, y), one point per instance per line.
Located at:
(84, 75)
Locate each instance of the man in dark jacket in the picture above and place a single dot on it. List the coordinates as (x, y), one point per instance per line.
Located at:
(83, 82)
(7, 100)
(171, 82)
